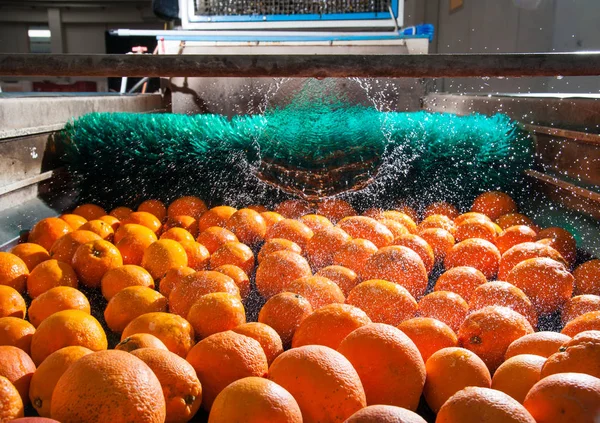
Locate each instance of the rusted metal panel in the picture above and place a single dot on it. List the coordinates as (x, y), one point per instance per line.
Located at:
(397, 66)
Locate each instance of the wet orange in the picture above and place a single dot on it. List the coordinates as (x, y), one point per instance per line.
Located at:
(93, 259)
(121, 212)
(513, 219)
(234, 253)
(48, 275)
(335, 209)
(429, 335)
(16, 332)
(239, 277)
(578, 305)
(248, 225)
(463, 280)
(99, 227)
(113, 222)
(177, 234)
(217, 216)
(343, 277)
(323, 245)
(284, 312)
(119, 278)
(57, 299)
(17, 367)
(524, 251)
(277, 270)
(442, 208)
(586, 278)
(514, 235)
(172, 278)
(197, 255)
(494, 204)
(13, 271)
(475, 228)
(140, 340)
(517, 375)
(271, 218)
(145, 219)
(396, 228)
(64, 248)
(293, 230)
(578, 355)
(367, 228)
(89, 211)
(163, 255)
(587, 321)
(73, 220)
(354, 254)
(445, 306)
(561, 240)
(216, 312)
(277, 244)
(542, 343)
(155, 207)
(419, 246)
(383, 301)
(400, 217)
(316, 222)
(437, 221)
(319, 291)
(133, 230)
(215, 237)
(440, 241)
(269, 339)
(31, 254)
(47, 231)
(187, 206)
(384, 414)
(131, 302)
(329, 325)
(477, 253)
(506, 295)
(293, 209)
(12, 303)
(469, 215)
(186, 222)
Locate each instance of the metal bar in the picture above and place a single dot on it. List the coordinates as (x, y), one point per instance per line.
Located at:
(27, 182)
(398, 66)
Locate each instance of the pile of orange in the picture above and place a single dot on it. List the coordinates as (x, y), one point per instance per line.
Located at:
(149, 315)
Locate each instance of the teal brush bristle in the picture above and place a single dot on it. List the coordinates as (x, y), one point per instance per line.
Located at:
(122, 159)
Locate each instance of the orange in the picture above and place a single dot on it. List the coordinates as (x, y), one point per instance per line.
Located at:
(140, 340)
(475, 228)
(66, 328)
(12, 303)
(163, 255)
(98, 388)
(389, 365)
(46, 376)
(354, 254)
(343, 277)
(47, 231)
(396, 228)
(48, 275)
(384, 414)
(429, 335)
(293, 209)
(292, 230)
(93, 259)
(437, 221)
(462, 280)
(451, 369)
(194, 286)
(277, 244)
(13, 271)
(474, 252)
(197, 255)
(524, 251)
(248, 225)
(367, 228)
(89, 211)
(268, 338)
(474, 405)
(217, 216)
(459, 219)
(517, 375)
(408, 210)
(121, 212)
(489, 332)
(216, 312)
(419, 246)
(31, 254)
(374, 212)
(174, 331)
(239, 277)
(131, 302)
(180, 385)
(284, 312)
(506, 295)
(440, 241)
(235, 253)
(587, 321)
(578, 305)
(543, 344)
(277, 270)
(400, 265)
(64, 248)
(187, 206)
(335, 209)
(442, 208)
(177, 234)
(564, 397)
(383, 301)
(173, 276)
(73, 220)
(400, 217)
(494, 204)
(100, 228)
(586, 278)
(271, 218)
(319, 291)
(514, 235)
(561, 240)
(133, 230)
(444, 306)
(145, 219)
(546, 282)
(513, 219)
(215, 237)
(578, 355)
(57, 299)
(119, 278)
(236, 356)
(17, 367)
(16, 332)
(323, 245)
(155, 207)
(323, 382)
(11, 404)
(186, 222)
(316, 222)
(113, 222)
(329, 325)
(264, 401)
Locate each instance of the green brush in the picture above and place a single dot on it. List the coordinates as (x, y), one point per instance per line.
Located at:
(313, 147)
